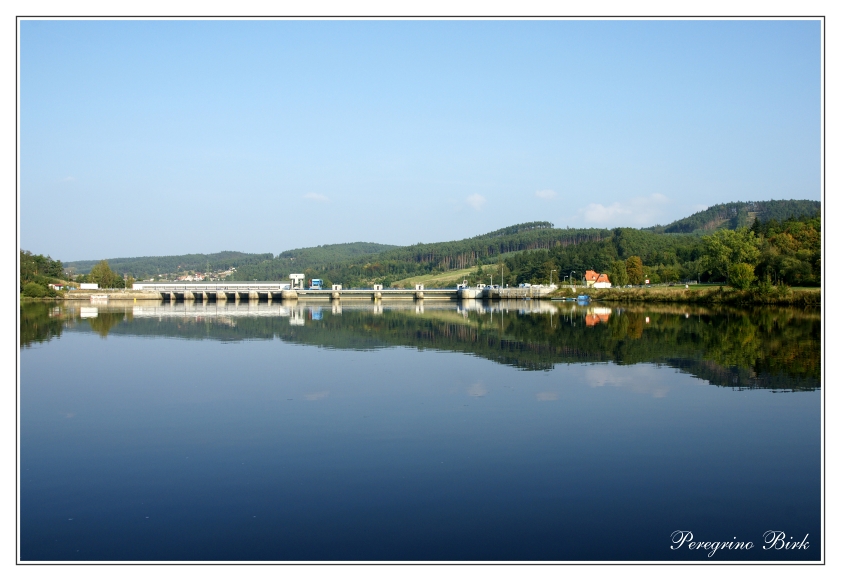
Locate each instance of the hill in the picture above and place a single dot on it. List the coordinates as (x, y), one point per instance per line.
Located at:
(529, 252)
(145, 266)
(419, 259)
(739, 214)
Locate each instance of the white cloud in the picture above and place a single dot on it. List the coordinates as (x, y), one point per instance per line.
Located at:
(546, 194)
(641, 211)
(316, 197)
(476, 201)
(69, 179)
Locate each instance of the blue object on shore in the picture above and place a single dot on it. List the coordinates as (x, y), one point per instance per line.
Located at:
(583, 298)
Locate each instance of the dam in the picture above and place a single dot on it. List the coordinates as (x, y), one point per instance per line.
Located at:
(284, 291)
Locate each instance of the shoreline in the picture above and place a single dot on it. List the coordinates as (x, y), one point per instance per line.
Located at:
(778, 296)
(678, 295)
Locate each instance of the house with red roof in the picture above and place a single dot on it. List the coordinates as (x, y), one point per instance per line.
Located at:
(596, 280)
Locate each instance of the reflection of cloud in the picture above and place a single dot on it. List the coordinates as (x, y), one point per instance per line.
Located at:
(642, 379)
(316, 197)
(477, 390)
(644, 210)
(547, 396)
(546, 194)
(316, 396)
(476, 201)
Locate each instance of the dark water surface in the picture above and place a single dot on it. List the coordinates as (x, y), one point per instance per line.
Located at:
(534, 431)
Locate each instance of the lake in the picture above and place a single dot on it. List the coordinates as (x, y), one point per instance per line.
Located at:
(515, 431)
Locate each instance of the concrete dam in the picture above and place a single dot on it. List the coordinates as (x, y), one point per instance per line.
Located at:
(283, 291)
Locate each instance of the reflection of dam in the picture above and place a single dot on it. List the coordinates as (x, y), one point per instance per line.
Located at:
(300, 311)
(505, 306)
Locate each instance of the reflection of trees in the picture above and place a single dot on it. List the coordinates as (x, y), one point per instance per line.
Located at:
(105, 321)
(762, 347)
(39, 322)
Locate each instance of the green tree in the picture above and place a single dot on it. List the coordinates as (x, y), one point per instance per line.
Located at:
(618, 273)
(741, 275)
(670, 273)
(633, 266)
(102, 274)
(726, 248)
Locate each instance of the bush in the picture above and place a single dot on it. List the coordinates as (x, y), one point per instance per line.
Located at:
(741, 276)
(34, 290)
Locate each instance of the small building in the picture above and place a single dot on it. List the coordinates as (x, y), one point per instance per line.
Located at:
(89, 286)
(595, 280)
(297, 280)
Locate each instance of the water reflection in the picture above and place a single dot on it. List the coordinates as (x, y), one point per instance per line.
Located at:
(751, 348)
(413, 431)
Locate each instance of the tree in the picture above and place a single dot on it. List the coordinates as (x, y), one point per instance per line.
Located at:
(633, 267)
(618, 273)
(669, 273)
(102, 274)
(726, 248)
(741, 275)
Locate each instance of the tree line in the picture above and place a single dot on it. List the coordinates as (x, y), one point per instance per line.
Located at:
(768, 253)
(717, 245)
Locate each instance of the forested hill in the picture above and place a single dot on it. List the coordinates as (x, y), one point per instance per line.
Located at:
(535, 251)
(336, 251)
(402, 261)
(786, 251)
(144, 266)
(738, 215)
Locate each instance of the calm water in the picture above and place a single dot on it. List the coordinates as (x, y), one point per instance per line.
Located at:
(535, 431)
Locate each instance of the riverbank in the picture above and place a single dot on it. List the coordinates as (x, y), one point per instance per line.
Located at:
(112, 295)
(783, 296)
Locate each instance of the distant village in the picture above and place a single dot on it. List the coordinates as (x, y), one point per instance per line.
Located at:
(192, 276)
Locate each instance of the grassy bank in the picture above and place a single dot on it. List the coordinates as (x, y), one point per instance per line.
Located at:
(446, 279)
(803, 297)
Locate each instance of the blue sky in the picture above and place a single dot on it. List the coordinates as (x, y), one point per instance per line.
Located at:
(168, 137)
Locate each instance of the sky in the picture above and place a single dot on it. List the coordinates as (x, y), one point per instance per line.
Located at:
(143, 138)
